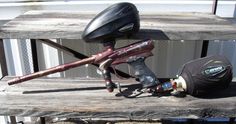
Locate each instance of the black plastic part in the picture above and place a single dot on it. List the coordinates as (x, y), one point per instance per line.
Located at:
(204, 48)
(207, 74)
(34, 55)
(146, 77)
(116, 21)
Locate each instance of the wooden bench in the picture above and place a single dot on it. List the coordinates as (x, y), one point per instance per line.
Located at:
(87, 98)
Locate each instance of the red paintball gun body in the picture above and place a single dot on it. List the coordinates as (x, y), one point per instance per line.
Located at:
(127, 54)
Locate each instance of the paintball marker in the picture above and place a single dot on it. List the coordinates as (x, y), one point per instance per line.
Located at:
(122, 20)
(118, 20)
(133, 54)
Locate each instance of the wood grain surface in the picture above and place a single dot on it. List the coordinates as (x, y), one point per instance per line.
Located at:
(160, 26)
(88, 99)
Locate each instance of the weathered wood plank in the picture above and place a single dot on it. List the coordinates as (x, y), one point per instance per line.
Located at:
(160, 26)
(71, 98)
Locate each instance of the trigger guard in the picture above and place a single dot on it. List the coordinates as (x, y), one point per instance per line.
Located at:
(116, 74)
(105, 64)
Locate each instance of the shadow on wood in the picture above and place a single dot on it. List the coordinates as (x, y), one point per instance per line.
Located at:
(128, 89)
(151, 33)
(228, 92)
(63, 90)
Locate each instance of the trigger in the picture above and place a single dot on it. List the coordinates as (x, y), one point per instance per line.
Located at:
(105, 64)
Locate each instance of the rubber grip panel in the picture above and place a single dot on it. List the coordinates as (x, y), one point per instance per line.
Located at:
(146, 77)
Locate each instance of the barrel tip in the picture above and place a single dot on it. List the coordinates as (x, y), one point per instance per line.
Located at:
(13, 81)
(10, 82)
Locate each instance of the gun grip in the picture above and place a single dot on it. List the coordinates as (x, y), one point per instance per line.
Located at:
(146, 77)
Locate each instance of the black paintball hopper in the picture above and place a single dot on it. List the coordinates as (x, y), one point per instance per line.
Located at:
(118, 20)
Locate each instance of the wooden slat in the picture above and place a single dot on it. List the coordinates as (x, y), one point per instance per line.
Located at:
(162, 26)
(70, 98)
